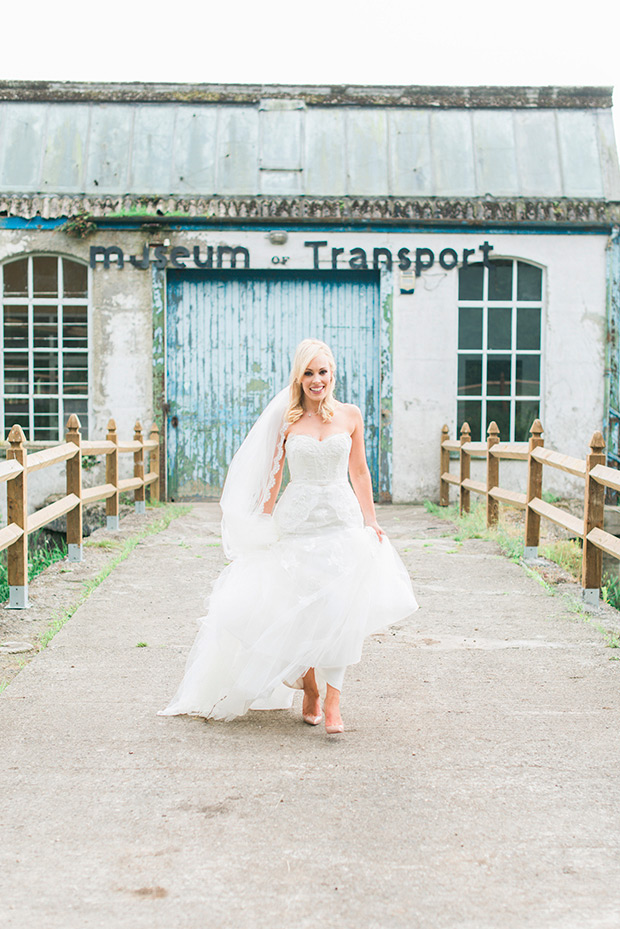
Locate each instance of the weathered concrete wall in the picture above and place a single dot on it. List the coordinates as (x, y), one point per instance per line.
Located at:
(120, 345)
(424, 330)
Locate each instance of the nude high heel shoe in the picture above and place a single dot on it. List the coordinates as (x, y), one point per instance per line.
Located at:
(312, 720)
(334, 730)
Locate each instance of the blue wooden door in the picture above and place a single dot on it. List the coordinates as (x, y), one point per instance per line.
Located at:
(230, 341)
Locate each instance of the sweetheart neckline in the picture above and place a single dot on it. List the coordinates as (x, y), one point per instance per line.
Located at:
(306, 435)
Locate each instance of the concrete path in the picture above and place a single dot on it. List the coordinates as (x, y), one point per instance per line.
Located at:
(477, 785)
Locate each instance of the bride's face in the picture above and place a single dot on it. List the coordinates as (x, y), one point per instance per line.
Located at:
(316, 378)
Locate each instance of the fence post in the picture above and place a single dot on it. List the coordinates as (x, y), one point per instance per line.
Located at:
(111, 477)
(444, 466)
(465, 468)
(534, 489)
(74, 486)
(17, 512)
(139, 496)
(492, 474)
(593, 517)
(154, 463)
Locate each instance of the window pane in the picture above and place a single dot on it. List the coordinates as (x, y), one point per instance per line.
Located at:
(16, 327)
(45, 373)
(529, 282)
(80, 408)
(470, 327)
(15, 373)
(469, 411)
(470, 282)
(16, 278)
(74, 326)
(498, 375)
(528, 327)
(500, 328)
(498, 411)
(75, 377)
(45, 419)
(528, 375)
(16, 413)
(526, 411)
(500, 280)
(75, 278)
(470, 374)
(45, 324)
(45, 274)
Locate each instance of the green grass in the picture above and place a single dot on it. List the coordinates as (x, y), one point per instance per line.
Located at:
(41, 554)
(566, 553)
(610, 590)
(173, 512)
(472, 525)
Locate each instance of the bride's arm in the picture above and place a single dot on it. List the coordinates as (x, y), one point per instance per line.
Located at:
(273, 495)
(360, 475)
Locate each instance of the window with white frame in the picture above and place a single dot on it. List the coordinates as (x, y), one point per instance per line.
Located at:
(499, 348)
(44, 353)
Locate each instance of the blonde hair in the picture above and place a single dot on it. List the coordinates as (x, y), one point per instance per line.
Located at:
(304, 353)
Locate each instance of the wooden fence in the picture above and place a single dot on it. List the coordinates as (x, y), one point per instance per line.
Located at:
(19, 464)
(591, 469)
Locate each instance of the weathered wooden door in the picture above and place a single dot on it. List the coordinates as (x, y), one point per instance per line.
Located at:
(230, 341)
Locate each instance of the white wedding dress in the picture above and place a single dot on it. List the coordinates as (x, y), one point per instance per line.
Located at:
(307, 599)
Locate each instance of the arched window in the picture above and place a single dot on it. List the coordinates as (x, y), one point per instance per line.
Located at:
(44, 353)
(499, 348)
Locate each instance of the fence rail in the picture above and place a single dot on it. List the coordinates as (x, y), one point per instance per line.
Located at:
(592, 470)
(18, 464)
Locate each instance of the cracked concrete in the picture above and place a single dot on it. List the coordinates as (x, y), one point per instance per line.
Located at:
(476, 786)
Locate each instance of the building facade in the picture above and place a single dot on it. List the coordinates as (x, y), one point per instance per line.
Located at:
(164, 248)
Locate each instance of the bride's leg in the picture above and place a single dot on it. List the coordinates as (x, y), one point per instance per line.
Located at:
(331, 706)
(311, 706)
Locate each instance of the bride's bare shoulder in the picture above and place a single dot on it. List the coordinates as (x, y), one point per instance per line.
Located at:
(350, 413)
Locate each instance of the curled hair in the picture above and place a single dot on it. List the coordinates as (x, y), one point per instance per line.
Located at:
(304, 353)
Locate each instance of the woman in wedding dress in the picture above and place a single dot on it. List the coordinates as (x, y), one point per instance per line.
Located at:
(311, 575)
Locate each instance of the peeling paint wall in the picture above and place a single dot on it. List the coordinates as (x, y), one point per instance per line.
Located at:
(120, 346)
(419, 334)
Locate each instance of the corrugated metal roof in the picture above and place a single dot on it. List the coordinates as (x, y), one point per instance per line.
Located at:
(282, 147)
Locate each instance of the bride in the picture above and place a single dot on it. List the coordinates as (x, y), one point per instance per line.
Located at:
(311, 575)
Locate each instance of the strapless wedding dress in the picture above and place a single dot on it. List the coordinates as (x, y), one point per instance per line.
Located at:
(306, 600)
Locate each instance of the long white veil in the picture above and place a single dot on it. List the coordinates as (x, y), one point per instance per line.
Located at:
(249, 481)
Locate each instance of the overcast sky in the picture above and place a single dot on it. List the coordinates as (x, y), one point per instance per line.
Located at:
(315, 41)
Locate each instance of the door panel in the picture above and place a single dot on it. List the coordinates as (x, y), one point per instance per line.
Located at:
(230, 342)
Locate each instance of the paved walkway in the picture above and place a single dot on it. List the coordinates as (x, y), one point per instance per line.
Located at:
(477, 785)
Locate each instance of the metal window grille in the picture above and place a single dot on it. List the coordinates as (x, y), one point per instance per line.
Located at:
(500, 378)
(44, 355)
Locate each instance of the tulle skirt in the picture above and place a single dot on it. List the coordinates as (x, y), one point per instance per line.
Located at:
(306, 600)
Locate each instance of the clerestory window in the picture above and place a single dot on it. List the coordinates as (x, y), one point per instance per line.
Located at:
(44, 353)
(499, 348)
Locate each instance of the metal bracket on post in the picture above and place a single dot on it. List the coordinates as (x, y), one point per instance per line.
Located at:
(140, 507)
(74, 552)
(530, 553)
(18, 598)
(112, 522)
(590, 595)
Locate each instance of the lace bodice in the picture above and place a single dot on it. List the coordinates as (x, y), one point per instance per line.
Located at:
(319, 496)
(314, 462)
